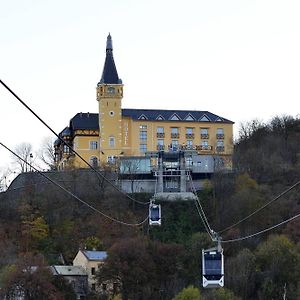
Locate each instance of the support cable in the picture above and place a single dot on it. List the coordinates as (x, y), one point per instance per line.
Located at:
(262, 231)
(73, 195)
(69, 147)
(261, 208)
(201, 212)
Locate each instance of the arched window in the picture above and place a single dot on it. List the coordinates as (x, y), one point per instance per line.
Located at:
(111, 141)
(94, 161)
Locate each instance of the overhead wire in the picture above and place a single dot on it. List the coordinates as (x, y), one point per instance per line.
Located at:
(201, 211)
(261, 208)
(69, 147)
(73, 195)
(262, 231)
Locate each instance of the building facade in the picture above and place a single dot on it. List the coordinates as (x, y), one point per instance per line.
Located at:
(115, 132)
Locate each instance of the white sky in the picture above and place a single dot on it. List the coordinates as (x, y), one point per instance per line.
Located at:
(239, 59)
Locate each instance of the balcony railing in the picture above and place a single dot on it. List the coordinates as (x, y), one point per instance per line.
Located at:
(175, 135)
(220, 136)
(160, 135)
(205, 147)
(204, 136)
(189, 135)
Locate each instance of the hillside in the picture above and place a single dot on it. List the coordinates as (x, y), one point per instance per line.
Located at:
(38, 218)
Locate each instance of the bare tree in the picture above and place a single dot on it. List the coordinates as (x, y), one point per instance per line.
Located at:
(24, 150)
(46, 153)
(4, 174)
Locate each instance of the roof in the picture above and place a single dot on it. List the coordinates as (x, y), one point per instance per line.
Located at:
(69, 270)
(91, 120)
(85, 121)
(173, 115)
(109, 74)
(95, 255)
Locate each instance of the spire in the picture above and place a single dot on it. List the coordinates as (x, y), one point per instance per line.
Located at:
(109, 43)
(109, 74)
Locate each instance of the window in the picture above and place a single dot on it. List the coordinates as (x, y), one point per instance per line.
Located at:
(94, 161)
(143, 135)
(188, 162)
(220, 143)
(93, 272)
(111, 90)
(143, 148)
(189, 130)
(66, 149)
(111, 159)
(204, 131)
(174, 130)
(160, 144)
(160, 129)
(111, 141)
(204, 143)
(189, 144)
(143, 126)
(174, 145)
(93, 286)
(93, 145)
(220, 133)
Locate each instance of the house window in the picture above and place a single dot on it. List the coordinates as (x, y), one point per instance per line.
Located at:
(189, 130)
(93, 145)
(204, 143)
(204, 131)
(94, 161)
(111, 159)
(189, 162)
(220, 133)
(143, 148)
(111, 141)
(160, 144)
(111, 90)
(189, 144)
(220, 146)
(66, 149)
(93, 271)
(143, 126)
(143, 135)
(174, 130)
(160, 130)
(174, 145)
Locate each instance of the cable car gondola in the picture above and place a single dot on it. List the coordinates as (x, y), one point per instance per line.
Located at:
(154, 214)
(213, 268)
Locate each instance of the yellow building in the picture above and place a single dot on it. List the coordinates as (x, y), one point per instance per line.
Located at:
(90, 261)
(115, 132)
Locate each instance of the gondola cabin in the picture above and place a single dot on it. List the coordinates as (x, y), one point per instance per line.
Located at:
(154, 214)
(213, 268)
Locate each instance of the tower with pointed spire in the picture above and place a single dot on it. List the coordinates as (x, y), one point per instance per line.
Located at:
(109, 95)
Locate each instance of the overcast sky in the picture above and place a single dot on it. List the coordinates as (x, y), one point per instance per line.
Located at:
(239, 59)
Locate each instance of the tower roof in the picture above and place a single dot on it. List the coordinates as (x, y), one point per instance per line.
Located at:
(110, 74)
